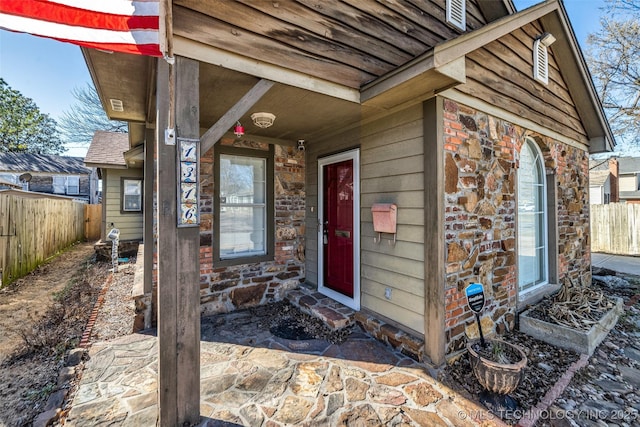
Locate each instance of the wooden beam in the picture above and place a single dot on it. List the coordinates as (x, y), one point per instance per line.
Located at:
(264, 139)
(233, 61)
(234, 114)
(178, 258)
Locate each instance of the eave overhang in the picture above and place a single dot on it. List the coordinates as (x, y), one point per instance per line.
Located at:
(122, 77)
(443, 67)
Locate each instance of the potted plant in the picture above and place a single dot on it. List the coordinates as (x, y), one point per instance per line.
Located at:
(498, 366)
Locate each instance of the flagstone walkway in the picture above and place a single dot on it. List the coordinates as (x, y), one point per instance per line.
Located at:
(256, 379)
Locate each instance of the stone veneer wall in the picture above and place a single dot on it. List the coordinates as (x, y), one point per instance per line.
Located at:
(481, 154)
(224, 289)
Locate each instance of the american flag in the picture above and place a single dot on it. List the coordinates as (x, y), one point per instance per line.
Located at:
(110, 25)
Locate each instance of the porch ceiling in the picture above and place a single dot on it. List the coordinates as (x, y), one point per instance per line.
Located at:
(300, 114)
(320, 54)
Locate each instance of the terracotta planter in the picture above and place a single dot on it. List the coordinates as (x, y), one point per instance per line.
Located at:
(497, 377)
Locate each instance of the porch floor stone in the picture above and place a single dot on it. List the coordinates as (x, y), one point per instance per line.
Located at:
(248, 378)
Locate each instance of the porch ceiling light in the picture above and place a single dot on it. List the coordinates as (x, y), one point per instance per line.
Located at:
(238, 130)
(263, 120)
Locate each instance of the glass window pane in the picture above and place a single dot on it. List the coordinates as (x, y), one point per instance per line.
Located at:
(532, 263)
(132, 187)
(242, 179)
(131, 203)
(58, 184)
(73, 185)
(132, 195)
(243, 195)
(242, 231)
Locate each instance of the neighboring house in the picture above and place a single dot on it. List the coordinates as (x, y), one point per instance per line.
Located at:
(629, 179)
(36, 195)
(475, 121)
(599, 187)
(4, 184)
(121, 174)
(620, 174)
(45, 173)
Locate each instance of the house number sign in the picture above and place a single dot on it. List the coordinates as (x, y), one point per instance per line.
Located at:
(189, 182)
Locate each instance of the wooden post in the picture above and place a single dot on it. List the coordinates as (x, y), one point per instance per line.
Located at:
(178, 257)
(434, 271)
(148, 229)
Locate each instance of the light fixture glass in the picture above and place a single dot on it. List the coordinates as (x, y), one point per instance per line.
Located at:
(238, 130)
(263, 120)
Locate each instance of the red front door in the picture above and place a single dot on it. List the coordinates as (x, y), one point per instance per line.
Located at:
(338, 230)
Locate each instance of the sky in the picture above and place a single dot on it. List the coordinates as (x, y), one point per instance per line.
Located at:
(47, 70)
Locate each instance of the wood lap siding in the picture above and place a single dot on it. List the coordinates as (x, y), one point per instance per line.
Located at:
(350, 42)
(129, 224)
(392, 172)
(501, 74)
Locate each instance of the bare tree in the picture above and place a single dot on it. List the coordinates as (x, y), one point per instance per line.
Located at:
(613, 54)
(87, 116)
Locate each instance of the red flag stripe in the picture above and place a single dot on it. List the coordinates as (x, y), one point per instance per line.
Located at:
(63, 14)
(115, 7)
(114, 25)
(139, 49)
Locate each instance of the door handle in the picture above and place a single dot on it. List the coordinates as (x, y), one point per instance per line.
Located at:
(343, 233)
(325, 233)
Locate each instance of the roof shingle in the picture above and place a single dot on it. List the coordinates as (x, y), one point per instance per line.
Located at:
(107, 148)
(27, 162)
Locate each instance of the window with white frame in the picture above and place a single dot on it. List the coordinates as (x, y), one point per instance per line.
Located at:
(59, 184)
(244, 205)
(456, 13)
(532, 219)
(131, 195)
(73, 185)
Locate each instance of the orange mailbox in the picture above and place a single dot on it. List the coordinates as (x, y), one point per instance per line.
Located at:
(385, 217)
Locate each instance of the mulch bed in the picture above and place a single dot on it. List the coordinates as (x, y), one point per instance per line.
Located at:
(545, 365)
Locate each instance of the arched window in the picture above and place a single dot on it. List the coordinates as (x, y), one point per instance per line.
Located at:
(532, 219)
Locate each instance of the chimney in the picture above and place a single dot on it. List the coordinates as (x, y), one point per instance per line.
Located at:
(613, 169)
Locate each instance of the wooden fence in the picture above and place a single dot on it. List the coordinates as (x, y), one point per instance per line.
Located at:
(31, 230)
(615, 228)
(92, 221)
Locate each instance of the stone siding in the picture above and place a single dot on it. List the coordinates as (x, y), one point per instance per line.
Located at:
(481, 158)
(224, 289)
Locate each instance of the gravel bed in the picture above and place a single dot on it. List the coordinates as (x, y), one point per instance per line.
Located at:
(116, 313)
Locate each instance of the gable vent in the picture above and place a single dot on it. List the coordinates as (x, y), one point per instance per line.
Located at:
(456, 14)
(116, 105)
(540, 62)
